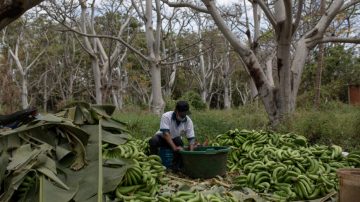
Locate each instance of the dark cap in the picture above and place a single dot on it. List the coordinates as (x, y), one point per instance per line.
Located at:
(182, 106)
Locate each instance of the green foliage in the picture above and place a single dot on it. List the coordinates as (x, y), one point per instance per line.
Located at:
(334, 123)
(341, 67)
(194, 100)
(169, 104)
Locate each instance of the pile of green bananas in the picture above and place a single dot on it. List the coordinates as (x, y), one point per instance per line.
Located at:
(283, 164)
(195, 196)
(144, 175)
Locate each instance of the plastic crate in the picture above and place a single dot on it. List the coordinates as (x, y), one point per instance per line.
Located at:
(167, 156)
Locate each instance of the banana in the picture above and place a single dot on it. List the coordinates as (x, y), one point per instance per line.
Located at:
(128, 189)
(163, 199)
(123, 197)
(303, 189)
(315, 193)
(196, 198)
(145, 198)
(178, 200)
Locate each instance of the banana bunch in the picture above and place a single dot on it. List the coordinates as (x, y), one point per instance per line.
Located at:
(283, 164)
(354, 158)
(142, 180)
(142, 145)
(130, 150)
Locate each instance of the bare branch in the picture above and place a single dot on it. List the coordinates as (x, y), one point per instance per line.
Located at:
(138, 11)
(346, 6)
(34, 61)
(268, 13)
(298, 14)
(340, 40)
(177, 5)
(90, 52)
(17, 61)
(180, 61)
(288, 13)
(109, 37)
(181, 50)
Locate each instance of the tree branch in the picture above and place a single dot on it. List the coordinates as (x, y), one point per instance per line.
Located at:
(346, 6)
(177, 5)
(340, 40)
(172, 54)
(109, 37)
(17, 61)
(12, 10)
(298, 14)
(34, 61)
(268, 13)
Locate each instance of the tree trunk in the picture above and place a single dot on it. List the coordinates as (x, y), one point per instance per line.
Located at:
(97, 78)
(115, 98)
(319, 69)
(11, 10)
(45, 95)
(158, 103)
(203, 86)
(319, 64)
(24, 92)
(153, 39)
(226, 79)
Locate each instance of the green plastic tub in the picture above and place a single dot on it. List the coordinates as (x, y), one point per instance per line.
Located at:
(205, 162)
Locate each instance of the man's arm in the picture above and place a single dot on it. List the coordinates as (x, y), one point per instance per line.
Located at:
(190, 134)
(191, 143)
(169, 140)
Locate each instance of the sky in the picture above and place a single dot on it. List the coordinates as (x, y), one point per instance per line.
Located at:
(227, 2)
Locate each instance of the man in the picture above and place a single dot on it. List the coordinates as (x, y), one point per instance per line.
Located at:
(173, 125)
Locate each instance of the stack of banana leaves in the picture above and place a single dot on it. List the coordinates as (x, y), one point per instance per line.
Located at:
(58, 157)
(284, 167)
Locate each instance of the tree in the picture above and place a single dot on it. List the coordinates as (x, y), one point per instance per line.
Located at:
(284, 17)
(21, 52)
(11, 10)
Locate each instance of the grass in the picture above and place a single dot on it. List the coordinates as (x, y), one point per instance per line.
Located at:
(332, 124)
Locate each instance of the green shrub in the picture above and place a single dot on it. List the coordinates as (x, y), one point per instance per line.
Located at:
(169, 104)
(194, 100)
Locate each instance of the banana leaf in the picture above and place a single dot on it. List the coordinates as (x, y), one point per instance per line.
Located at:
(53, 193)
(51, 144)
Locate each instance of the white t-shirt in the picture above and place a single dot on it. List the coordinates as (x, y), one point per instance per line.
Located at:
(169, 123)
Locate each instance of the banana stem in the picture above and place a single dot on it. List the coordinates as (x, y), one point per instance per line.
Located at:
(100, 175)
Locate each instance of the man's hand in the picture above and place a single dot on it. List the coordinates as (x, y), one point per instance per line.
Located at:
(178, 148)
(192, 146)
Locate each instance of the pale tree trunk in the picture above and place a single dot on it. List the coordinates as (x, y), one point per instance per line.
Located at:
(24, 92)
(96, 50)
(244, 95)
(23, 70)
(320, 64)
(97, 79)
(45, 93)
(226, 71)
(118, 94)
(91, 47)
(283, 60)
(115, 99)
(169, 86)
(203, 86)
(153, 46)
